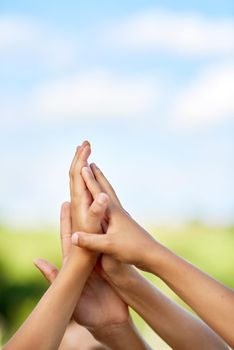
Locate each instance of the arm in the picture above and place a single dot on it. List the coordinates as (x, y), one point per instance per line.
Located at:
(44, 328)
(210, 299)
(176, 326)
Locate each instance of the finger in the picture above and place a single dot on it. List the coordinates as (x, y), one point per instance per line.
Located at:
(78, 184)
(76, 156)
(65, 228)
(74, 159)
(105, 185)
(86, 151)
(96, 242)
(48, 270)
(90, 181)
(97, 210)
(79, 150)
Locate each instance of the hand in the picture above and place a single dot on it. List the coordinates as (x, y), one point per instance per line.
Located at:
(99, 305)
(83, 209)
(124, 240)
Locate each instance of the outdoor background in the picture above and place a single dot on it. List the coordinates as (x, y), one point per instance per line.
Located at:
(150, 84)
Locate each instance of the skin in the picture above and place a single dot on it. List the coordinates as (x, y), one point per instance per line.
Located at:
(211, 300)
(45, 327)
(99, 308)
(75, 335)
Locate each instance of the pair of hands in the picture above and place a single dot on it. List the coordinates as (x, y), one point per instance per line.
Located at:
(99, 305)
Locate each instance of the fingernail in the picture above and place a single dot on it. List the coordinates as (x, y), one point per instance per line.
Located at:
(38, 261)
(95, 166)
(41, 264)
(86, 170)
(102, 198)
(85, 144)
(75, 238)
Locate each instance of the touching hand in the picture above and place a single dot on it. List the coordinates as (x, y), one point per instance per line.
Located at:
(124, 239)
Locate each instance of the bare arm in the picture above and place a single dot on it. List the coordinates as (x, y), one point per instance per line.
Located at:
(128, 242)
(211, 300)
(176, 326)
(44, 328)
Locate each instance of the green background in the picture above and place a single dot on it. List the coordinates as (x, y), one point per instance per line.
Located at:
(21, 284)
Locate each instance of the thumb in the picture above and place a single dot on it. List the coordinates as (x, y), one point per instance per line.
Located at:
(48, 270)
(98, 242)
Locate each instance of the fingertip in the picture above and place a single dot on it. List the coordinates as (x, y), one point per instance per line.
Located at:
(65, 205)
(86, 171)
(93, 165)
(102, 198)
(38, 262)
(35, 262)
(65, 210)
(85, 143)
(85, 153)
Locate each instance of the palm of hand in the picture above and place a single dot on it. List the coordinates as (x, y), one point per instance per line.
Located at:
(99, 305)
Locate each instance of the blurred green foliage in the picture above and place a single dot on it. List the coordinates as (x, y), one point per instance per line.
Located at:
(21, 285)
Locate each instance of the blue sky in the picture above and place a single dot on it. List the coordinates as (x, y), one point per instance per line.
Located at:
(149, 83)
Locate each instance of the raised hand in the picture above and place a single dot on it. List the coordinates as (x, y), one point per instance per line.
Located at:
(124, 240)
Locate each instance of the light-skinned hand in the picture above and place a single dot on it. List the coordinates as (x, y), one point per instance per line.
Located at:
(124, 239)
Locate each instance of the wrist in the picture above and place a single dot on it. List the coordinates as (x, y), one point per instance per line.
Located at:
(81, 258)
(109, 330)
(119, 336)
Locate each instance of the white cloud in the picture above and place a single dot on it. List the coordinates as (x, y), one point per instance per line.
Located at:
(208, 99)
(178, 33)
(95, 95)
(90, 95)
(27, 41)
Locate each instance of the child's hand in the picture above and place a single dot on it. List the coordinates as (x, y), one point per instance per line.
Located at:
(124, 240)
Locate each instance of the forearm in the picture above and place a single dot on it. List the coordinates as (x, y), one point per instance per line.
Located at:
(120, 336)
(211, 300)
(45, 327)
(171, 322)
